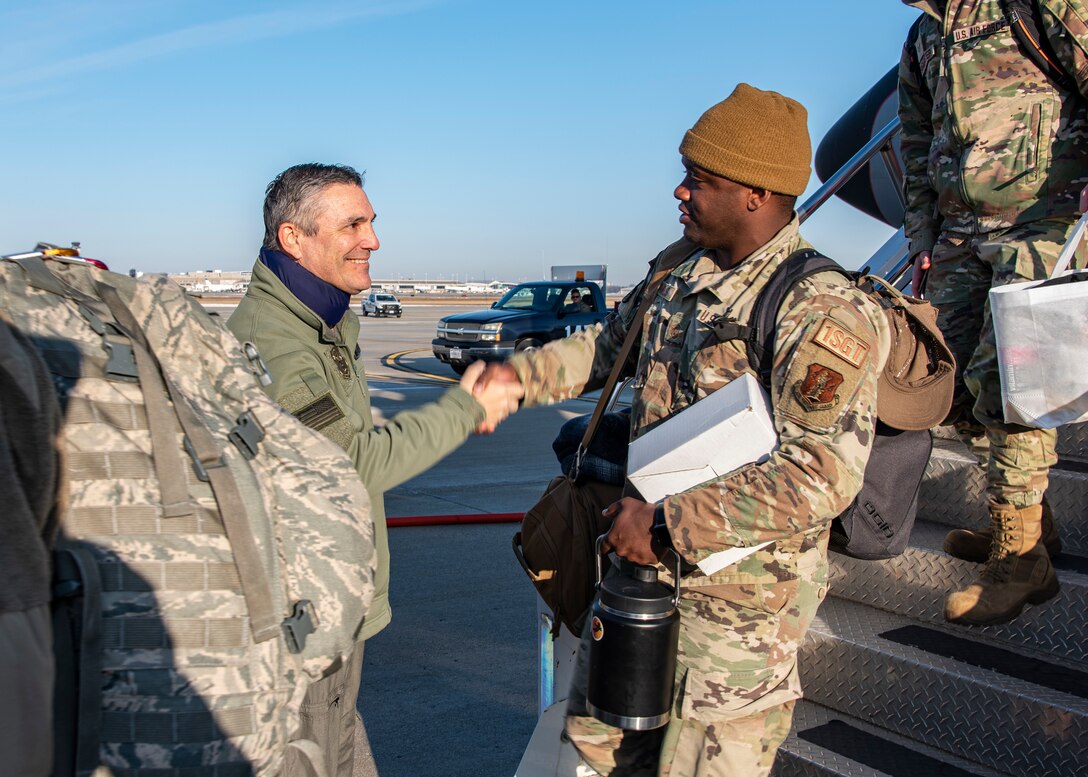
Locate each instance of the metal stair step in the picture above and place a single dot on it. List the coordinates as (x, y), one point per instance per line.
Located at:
(953, 493)
(915, 584)
(826, 743)
(950, 691)
(1072, 440)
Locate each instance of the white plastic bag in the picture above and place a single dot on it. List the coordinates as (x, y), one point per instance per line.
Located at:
(1041, 330)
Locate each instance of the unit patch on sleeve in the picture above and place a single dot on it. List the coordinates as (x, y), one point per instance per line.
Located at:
(822, 376)
(818, 390)
(835, 337)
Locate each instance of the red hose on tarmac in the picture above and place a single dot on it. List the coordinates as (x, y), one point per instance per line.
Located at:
(446, 520)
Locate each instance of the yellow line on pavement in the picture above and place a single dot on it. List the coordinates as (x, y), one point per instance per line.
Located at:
(391, 361)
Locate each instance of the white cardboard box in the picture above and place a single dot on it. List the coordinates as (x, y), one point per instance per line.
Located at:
(711, 438)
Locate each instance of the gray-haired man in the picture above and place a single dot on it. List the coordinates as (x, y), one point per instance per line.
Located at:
(319, 239)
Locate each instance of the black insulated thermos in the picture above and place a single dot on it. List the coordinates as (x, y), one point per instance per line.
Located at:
(634, 625)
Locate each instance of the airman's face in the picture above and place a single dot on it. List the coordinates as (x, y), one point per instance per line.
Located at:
(710, 206)
(339, 251)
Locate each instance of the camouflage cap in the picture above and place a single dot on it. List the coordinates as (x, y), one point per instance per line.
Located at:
(914, 391)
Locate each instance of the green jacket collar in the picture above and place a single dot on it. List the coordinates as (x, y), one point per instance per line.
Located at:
(265, 284)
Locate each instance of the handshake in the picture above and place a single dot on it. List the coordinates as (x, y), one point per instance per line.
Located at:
(496, 387)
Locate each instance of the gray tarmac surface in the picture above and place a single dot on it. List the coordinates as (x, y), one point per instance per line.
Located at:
(449, 688)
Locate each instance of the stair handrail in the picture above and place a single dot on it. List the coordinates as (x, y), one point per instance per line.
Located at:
(852, 167)
(880, 143)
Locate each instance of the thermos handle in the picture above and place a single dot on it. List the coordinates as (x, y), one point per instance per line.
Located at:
(676, 578)
(597, 560)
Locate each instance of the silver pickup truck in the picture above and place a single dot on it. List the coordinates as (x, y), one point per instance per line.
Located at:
(381, 304)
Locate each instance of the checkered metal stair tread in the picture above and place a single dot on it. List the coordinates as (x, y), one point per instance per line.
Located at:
(852, 663)
(953, 493)
(827, 743)
(915, 584)
(1072, 440)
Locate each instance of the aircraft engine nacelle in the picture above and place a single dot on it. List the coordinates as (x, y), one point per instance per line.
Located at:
(874, 190)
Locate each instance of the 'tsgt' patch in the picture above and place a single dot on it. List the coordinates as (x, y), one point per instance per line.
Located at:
(818, 390)
(842, 342)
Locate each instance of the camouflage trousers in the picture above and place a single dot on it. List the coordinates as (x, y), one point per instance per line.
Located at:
(1017, 459)
(735, 687)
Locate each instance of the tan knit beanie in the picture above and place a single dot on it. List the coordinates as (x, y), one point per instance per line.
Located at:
(756, 138)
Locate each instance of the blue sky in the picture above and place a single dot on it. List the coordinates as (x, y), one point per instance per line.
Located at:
(498, 138)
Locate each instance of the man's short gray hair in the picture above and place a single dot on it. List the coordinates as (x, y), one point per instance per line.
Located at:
(291, 197)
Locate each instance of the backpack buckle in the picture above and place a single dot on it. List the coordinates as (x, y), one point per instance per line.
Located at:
(298, 625)
(122, 361)
(246, 435)
(201, 467)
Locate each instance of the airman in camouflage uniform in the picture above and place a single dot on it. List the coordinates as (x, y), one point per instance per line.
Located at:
(736, 680)
(319, 236)
(995, 155)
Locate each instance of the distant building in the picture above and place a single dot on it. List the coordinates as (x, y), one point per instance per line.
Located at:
(213, 281)
(237, 281)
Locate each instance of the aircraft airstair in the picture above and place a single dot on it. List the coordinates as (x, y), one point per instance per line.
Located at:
(891, 689)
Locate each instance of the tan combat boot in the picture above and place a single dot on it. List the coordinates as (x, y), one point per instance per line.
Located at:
(1018, 571)
(974, 545)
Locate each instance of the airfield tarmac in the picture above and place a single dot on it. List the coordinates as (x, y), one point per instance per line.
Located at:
(450, 687)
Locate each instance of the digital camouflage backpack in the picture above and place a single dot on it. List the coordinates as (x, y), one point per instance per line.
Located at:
(216, 555)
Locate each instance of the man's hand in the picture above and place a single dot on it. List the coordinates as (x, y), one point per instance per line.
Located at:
(921, 263)
(499, 397)
(1084, 199)
(630, 535)
(498, 377)
(501, 372)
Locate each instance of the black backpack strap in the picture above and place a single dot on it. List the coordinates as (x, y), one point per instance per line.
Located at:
(758, 334)
(799, 265)
(1027, 26)
(77, 651)
(912, 49)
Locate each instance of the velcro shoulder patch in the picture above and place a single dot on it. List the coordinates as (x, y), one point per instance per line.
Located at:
(320, 413)
(817, 388)
(836, 338)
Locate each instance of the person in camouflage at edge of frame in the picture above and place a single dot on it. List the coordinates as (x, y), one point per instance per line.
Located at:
(736, 682)
(995, 155)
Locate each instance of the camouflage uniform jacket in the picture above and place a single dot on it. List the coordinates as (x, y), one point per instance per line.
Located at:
(988, 141)
(824, 441)
(318, 376)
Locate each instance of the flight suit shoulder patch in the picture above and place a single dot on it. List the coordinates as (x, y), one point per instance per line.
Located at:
(319, 413)
(818, 387)
(838, 339)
